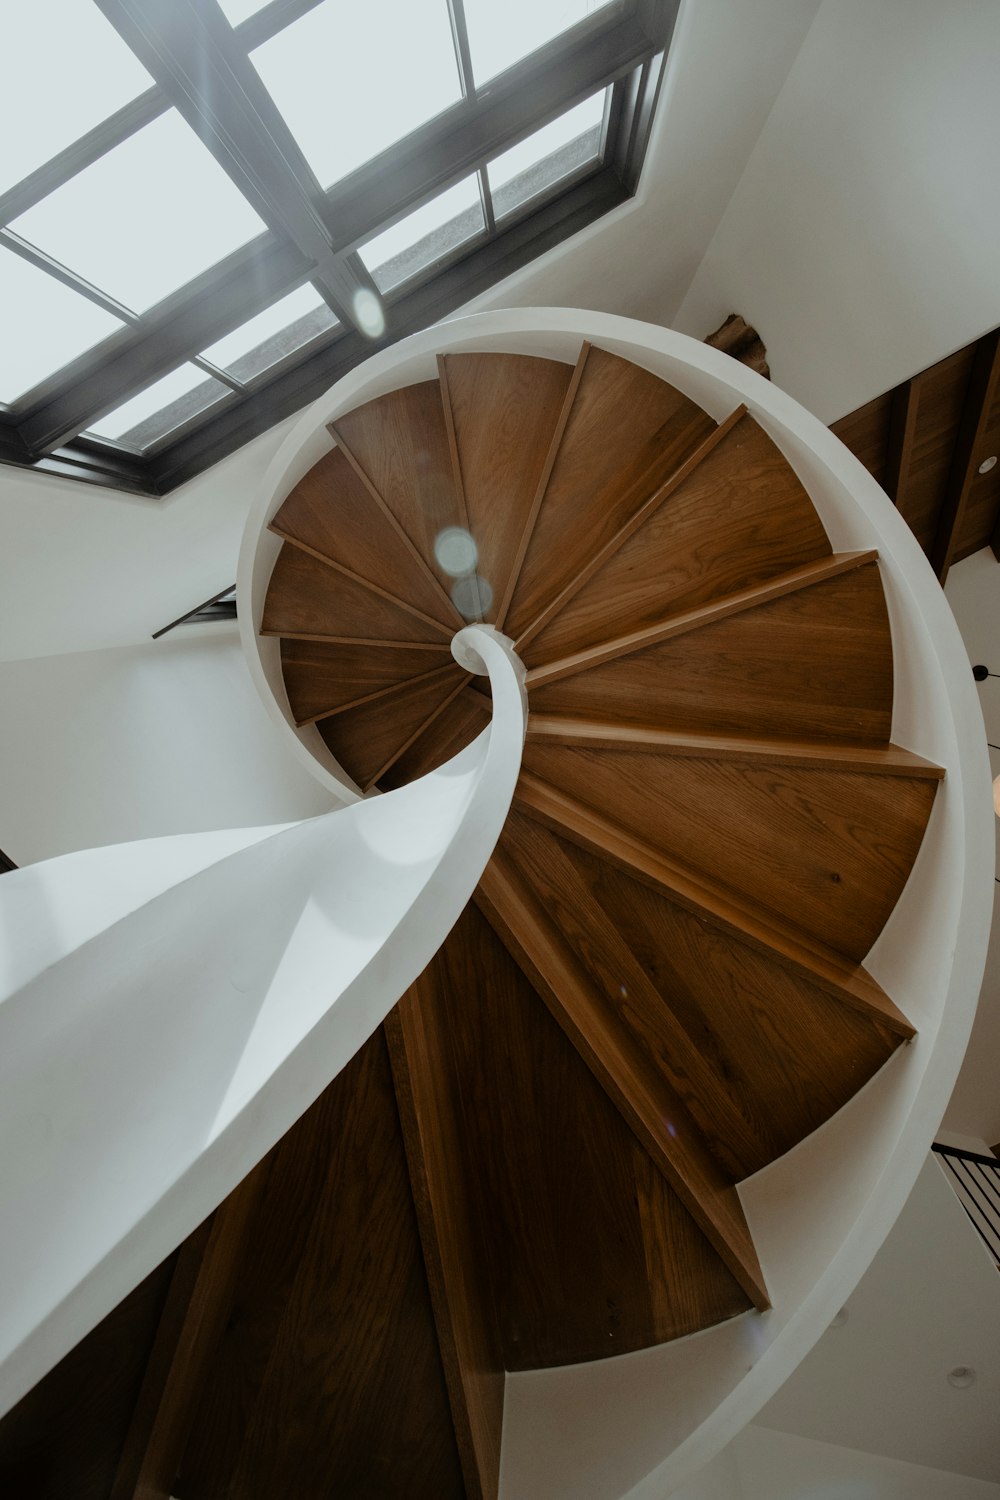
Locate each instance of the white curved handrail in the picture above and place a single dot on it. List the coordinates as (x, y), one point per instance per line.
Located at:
(171, 1007)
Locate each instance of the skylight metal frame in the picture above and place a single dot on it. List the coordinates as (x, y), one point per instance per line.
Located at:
(314, 235)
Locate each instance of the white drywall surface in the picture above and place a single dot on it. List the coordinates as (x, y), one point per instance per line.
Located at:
(862, 238)
(170, 737)
(782, 1466)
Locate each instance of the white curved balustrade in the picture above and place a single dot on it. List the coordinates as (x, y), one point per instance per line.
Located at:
(170, 1008)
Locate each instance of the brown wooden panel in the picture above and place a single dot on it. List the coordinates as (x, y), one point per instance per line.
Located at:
(346, 1392)
(400, 443)
(866, 433)
(335, 514)
(464, 718)
(505, 409)
(366, 740)
(305, 597)
(626, 432)
(646, 1099)
(62, 1441)
(816, 663)
(741, 517)
(745, 920)
(595, 734)
(789, 1054)
(827, 851)
(463, 1308)
(629, 993)
(970, 448)
(983, 505)
(552, 1174)
(319, 677)
(939, 411)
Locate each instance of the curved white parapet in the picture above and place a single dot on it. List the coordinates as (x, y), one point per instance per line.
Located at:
(172, 1006)
(640, 1424)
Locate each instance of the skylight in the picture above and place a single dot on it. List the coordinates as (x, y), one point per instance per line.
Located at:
(352, 80)
(251, 195)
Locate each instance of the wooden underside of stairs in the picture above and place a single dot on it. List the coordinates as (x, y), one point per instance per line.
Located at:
(657, 990)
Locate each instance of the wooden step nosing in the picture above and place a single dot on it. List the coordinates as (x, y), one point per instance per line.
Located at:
(527, 531)
(869, 759)
(628, 529)
(791, 582)
(456, 467)
(373, 697)
(426, 724)
(647, 1104)
(396, 525)
(362, 582)
(369, 642)
(836, 973)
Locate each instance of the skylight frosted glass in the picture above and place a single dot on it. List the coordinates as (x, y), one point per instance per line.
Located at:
(425, 235)
(352, 80)
(279, 330)
(162, 406)
(44, 325)
(536, 164)
(500, 34)
(145, 218)
(66, 69)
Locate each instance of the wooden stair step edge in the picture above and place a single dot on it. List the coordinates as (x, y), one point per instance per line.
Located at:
(467, 1333)
(626, 433)
(864, 758)
(398, 445)
(655, 1113)
(707, 614)
(432, 675)
(628, 991)
(838, 975)
(638, 519)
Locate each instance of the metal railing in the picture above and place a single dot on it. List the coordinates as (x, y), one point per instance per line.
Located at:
(976, 1180)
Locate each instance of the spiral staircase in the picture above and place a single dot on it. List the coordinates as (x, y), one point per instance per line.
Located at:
(659, 988)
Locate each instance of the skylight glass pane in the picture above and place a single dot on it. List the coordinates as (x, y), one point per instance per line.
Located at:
(352, 80)
(140, 421)
(44, 325)
(236, 11)
(145, 218)
(424, 236)
(501, 34)
(279, 330)
(65, 70)
(536, 164)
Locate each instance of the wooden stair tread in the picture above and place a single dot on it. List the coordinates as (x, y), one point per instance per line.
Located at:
(742, 919)
(740, 517)
(626, 432)
(866, 758)
(306, 597)
(399, 445)
(367, 740)
(504, 408)
(320, 677)
(831, 847)
(811, 663)
(466, 716)
(787, 1053)
(331, 512)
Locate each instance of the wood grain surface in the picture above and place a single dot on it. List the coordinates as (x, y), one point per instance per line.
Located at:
(626, 433)
(366, 740)
(505, 408)
(828, 850)
(333, 512)
(341, 1389)
(321, 676)
(644, 1097)
(305, 597)
(741, 516)
(812, 664)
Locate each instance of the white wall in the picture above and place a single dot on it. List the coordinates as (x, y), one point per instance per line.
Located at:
(862, 238)
(781, 1466)
(170, 737)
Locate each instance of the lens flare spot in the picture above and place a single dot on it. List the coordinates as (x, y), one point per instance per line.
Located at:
(456, 552)
(369, 314)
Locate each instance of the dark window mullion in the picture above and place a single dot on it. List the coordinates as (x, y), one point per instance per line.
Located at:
(460, 36)
(217, 373)
(59, 272)
(82, 153)
(486, 198)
